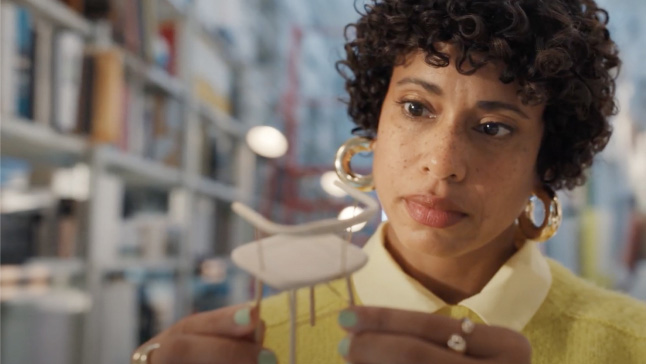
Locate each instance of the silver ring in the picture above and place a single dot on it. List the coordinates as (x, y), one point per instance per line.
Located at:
(457, 343)
(467, 326)
(140, 355)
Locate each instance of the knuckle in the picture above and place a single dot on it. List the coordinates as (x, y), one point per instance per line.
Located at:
(518, 348)
(179, 327)
(523, 348)
(178, 347)
(424, 324)
(358, 342)
(414, 354)
(379, 318)
(230, 351)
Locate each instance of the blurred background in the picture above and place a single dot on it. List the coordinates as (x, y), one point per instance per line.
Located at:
(129, 126)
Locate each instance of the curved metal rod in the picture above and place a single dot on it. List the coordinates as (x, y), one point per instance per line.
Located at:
(315, 227)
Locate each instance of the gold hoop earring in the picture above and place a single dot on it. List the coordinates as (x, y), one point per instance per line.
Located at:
(342, 163)
(551, 220)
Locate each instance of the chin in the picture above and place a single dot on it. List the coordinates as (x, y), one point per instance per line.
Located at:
(428, 241)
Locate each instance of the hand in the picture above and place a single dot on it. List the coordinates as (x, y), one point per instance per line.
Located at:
(224, 336)
(389, 336)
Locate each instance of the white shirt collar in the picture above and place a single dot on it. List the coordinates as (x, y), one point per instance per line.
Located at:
(510, 299)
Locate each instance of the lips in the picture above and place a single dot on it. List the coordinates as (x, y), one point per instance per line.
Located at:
(433, 211)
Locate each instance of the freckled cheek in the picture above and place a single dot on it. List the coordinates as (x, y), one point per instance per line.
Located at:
(500, 173)
(391, 162)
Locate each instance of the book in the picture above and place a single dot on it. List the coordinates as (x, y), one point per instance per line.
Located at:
(24, 64)
(167, 130)
(125, 22)
(98, 9)
(117, 16)
(8, 58)
(68, 78)
(208, 150)
(106, 96)
(67, 232)
(19, 233)
(105, 233)
(148, 23)
(84, 114)
(43, 77)
(134, 122)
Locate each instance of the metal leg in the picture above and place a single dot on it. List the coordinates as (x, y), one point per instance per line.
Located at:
(258, 293)
(348, 283)
(312, 306)
(292, 334)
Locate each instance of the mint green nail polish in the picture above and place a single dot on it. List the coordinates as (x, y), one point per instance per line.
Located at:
(267, 357)
(242, 317)
(347, 318)
(344, 346)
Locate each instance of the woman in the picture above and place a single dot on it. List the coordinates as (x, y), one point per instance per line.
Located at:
(472, 107)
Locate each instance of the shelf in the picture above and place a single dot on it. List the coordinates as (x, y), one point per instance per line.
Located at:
(60, 14)
(41, 269)
(15, 201)
(211, 188)
(58, 266)
(138, 170)
(36, 142)
(146, 265)
(154, 76)
(222, 120)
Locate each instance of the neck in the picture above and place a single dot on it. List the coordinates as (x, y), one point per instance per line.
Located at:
(454, 279)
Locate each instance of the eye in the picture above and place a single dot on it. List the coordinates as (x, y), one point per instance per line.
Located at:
(494, 129)
(415, 109)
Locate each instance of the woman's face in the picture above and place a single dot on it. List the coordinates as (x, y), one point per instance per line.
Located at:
(454, 158)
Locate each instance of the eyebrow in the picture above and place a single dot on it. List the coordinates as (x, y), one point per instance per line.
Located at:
(428, 86)
(485, 105)
(499, 105)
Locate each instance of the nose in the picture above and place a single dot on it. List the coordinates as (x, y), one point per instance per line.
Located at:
(444, 154)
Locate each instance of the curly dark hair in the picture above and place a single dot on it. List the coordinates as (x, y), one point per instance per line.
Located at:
(559, 51)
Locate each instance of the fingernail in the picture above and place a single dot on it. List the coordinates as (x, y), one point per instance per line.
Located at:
(347, 318)
(242, 317)
(344, 346)
(267, 357)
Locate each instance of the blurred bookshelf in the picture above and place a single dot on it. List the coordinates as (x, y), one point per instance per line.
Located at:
(23, 138)
(120, 156)
(122, 143)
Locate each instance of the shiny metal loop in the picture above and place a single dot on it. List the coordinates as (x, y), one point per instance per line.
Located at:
(342, 163)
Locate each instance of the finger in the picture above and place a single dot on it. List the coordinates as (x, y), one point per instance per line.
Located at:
(261, 335)
(485, 341)
(383, 348)
(196, 349)
(238, 322)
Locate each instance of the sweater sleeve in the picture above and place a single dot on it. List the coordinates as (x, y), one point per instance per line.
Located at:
(580, 323)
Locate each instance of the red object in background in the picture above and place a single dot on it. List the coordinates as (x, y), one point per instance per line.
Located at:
(168, 31)
(286, 173)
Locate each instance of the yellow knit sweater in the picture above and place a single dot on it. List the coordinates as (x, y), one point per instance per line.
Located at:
(577, 323)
